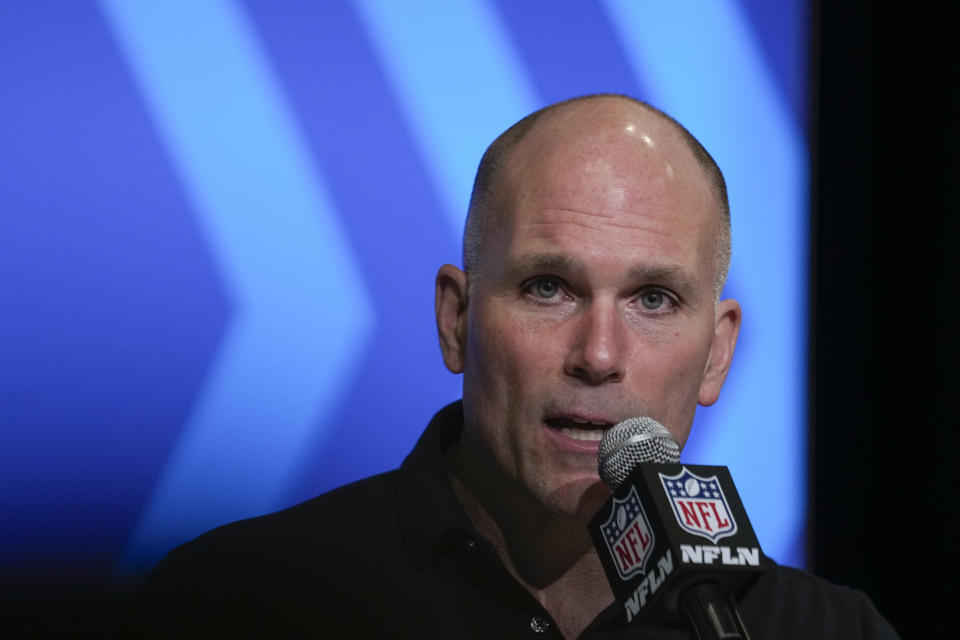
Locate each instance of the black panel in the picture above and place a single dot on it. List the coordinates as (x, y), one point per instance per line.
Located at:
(884, 318)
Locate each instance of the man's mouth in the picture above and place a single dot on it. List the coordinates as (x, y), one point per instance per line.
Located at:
(579, 429)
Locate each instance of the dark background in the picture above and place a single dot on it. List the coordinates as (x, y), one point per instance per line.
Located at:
(883, 307)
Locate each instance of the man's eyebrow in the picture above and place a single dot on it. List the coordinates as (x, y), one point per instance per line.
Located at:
(540, 262)
(677, 276)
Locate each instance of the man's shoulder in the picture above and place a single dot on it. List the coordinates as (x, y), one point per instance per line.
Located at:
(280, 559)
(787, 602)
(308, 524)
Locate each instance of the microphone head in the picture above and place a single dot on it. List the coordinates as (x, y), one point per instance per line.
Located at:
(631, 442)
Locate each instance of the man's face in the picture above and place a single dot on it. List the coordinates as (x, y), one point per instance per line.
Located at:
(594, 304)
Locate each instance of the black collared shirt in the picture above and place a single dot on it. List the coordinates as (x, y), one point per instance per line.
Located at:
(394, 556)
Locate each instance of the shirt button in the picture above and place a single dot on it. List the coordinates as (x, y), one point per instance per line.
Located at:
(539, 624)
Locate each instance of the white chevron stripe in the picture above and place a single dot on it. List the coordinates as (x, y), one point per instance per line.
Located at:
(301, 314)
(458, 81)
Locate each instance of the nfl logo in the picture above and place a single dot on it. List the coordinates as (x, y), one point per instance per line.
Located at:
(699, 505)
(628, 535)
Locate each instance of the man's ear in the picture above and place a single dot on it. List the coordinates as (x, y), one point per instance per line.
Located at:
(451, 309)
(721, 352)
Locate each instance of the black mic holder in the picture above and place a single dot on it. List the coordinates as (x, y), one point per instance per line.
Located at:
(677, 546)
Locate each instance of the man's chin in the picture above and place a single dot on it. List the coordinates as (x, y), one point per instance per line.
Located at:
(579, 499)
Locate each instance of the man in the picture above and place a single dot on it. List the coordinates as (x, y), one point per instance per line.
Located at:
(596, 247)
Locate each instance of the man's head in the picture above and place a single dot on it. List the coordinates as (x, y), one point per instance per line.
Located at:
(595, 249)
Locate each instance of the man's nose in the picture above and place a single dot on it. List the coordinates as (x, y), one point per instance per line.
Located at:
(596, 355)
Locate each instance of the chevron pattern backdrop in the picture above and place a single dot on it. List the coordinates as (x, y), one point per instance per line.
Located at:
(221, 222)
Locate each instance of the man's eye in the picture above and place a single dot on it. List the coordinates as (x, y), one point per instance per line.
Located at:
(654, 300)
(545, 287)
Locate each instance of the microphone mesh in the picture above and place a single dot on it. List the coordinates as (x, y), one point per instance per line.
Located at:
(631, 442)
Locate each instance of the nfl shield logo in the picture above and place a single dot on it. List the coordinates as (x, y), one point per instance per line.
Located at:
(699, 505)
(628, 535)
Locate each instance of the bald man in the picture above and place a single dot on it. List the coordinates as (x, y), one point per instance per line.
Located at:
(595, 251)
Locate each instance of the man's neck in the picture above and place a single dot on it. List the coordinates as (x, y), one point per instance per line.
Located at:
(551, 556)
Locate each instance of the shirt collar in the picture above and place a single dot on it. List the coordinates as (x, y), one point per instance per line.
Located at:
(430, 513)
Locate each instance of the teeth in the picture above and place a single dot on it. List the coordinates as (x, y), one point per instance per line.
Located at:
(579, 421)
(593, 435)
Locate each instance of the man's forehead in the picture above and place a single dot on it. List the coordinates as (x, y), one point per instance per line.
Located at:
(611, 173)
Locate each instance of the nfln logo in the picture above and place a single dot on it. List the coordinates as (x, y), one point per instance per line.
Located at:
(699, 505)
(628, 535)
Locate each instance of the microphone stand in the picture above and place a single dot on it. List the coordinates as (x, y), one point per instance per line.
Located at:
(709, 615)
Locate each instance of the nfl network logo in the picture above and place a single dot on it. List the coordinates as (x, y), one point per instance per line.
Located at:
(628, 535)
(699, 505)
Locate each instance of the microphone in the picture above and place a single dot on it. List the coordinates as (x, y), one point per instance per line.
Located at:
(674, 539)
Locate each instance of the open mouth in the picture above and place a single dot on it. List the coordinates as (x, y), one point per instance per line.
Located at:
(578, 429)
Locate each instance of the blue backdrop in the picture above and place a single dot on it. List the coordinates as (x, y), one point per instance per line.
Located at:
(221, 222)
